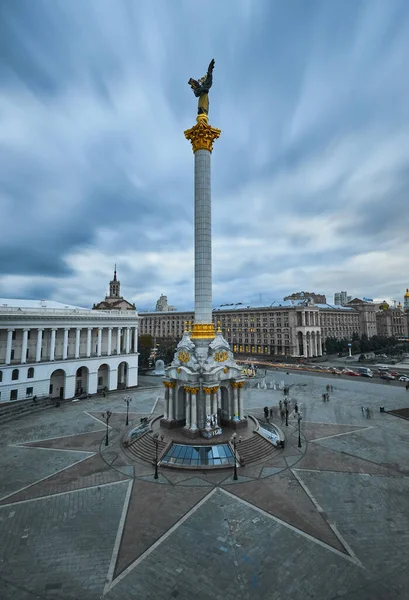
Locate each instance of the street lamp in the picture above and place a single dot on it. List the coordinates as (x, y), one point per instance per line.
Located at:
(286, 416)
(127, 399)
(106, 416)
(234, 441)
(156, 440)
(299, 417)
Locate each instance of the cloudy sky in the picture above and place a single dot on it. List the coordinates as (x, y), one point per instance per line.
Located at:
(310, 175)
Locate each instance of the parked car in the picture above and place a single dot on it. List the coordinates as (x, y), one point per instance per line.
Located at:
(387, 376)
(404, 378)
(353, 373)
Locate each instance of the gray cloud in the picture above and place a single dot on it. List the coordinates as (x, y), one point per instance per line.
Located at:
(310, 175)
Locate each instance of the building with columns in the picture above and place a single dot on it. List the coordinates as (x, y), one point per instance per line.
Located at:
(51, 349)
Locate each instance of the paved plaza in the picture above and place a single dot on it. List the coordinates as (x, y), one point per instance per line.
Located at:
(82, 521)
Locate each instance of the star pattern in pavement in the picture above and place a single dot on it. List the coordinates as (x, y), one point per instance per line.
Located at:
(153, 509)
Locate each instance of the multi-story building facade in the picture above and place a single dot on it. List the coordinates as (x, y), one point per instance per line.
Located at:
(392, 322)
(287, 328)
(49, 349)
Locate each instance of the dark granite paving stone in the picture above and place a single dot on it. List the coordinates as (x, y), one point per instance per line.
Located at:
(324, 459)
(90, 472)
(118, 420)
(195, 481)
(81, 441)
(283, 497)
(152, 511)
(313, 431)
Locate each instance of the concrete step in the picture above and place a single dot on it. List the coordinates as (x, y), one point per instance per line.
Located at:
(144, 448)
(254, 449)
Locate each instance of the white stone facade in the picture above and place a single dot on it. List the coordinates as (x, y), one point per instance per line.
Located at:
(47, 349)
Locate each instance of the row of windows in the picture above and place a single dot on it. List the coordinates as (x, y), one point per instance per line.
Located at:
(15, 374)
(14, 394)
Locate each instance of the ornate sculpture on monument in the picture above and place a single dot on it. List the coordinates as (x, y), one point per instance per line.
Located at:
(201, 89)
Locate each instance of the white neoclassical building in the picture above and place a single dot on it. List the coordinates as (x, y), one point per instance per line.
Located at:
(51, 349)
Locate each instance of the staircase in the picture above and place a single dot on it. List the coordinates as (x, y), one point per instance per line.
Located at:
(254, 449)
(20, 408)
(144, 448)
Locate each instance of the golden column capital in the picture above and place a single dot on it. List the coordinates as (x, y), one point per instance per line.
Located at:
(237, 384)
(202, 135)
(210, 390)
(169, 384)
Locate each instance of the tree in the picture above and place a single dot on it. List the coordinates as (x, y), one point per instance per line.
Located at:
(145, 345)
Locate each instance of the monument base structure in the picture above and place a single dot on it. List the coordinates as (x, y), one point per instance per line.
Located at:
(204, 388)
(203, 385)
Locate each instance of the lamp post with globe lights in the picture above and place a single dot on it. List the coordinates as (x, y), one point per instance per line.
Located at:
(299, 417)
(106, 416)
(156, 438)
(127, 399)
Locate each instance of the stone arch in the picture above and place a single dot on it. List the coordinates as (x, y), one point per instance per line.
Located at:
(123, 368)
(57, 383)
(225, 407)
(180, 407)
(103, 377)
(81, 381)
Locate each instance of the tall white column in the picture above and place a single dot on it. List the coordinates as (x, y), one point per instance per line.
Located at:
(303, 319)
(203, 238)
(240, 402)
(39, 344)
(77, 342)
(89, 332)
(187, 409)
(135, 339)
(193, 408)
(109, 341)
(24, 346)
(52, 345)
(65, 343)
(128, 334)
(235, 402)
(9, 345)
(118, 341)
(166, 404)
(99, 344)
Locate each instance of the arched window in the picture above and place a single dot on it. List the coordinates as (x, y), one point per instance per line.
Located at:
(14, 375)
(1, 376)
(30, 373)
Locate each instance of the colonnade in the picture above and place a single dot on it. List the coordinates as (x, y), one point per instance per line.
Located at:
(311, 344)
(66, 349)
(195, 415)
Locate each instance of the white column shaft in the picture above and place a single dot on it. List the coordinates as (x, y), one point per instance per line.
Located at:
(127, 343)
(65, 344)
(39, 344)
(89, 332)
(203, 238)
(99, 344)
(193, 405)
(24, 346)
(135, 339)
(77, 342)
(118, 341)
(235, 402)
(9, 345)
(52, 345)
(188, 402)
(109, 341)
(240, 402)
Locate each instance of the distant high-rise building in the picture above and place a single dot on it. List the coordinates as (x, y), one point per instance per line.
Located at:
(341, 298)
(163, 306)
(316, 298)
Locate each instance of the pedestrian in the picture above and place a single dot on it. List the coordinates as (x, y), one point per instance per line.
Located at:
(323, 397)
(296, 408)
(331, 388)
(407, 386)
(363, 410)
(327, 388)
(280, 404)
(327, 397)
(368, 413)
(271, 412)
(266, 412)
(282, 415)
